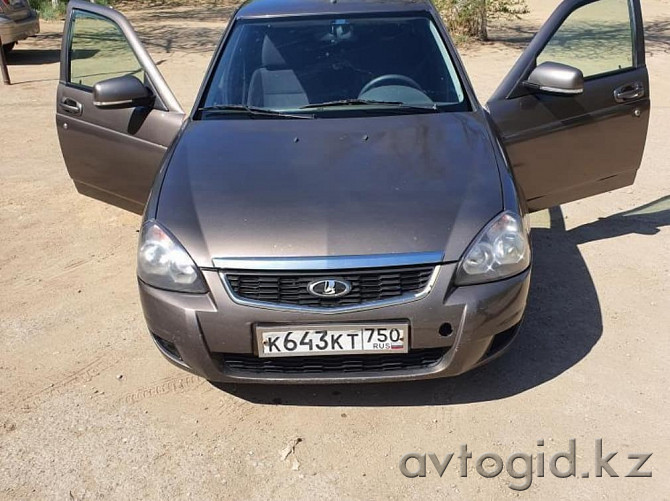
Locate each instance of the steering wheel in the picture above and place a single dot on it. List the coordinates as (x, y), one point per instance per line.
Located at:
(389, 79)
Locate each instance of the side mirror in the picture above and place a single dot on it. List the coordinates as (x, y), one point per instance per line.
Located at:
(556, 78)
(121, 92)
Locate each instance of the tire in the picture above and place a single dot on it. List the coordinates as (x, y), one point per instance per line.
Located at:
(8, 48)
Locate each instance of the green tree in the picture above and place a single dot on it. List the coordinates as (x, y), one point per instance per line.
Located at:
(470, 17)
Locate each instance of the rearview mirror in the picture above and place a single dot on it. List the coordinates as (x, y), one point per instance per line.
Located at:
(121, 92)
(556, 78)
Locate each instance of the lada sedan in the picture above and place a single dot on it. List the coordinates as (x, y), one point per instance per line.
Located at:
(339, 206)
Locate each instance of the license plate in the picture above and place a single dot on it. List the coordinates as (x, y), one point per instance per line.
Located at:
(306, 340)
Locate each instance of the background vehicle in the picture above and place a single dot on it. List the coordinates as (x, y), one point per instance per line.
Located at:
(17, 22)
(570, 121)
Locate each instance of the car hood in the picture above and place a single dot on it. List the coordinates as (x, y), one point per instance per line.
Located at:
(331, 187)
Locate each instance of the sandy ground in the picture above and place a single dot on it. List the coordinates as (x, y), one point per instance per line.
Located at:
(90, 410)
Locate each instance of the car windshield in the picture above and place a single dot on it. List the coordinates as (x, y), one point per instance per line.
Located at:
(325, 66)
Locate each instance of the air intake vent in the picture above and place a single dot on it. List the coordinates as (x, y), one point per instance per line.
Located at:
(367, 286)
(337, 364)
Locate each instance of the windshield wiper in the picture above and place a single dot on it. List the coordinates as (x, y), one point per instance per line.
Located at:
(429, 108)
(251, 110)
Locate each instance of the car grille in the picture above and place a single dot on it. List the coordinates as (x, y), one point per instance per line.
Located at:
(417, 359)
(366, 285)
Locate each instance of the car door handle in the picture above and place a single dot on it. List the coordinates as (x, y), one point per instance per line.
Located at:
(629, 92)
(71, 106)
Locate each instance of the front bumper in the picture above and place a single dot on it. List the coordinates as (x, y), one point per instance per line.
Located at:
(205, 333)
(14, 31)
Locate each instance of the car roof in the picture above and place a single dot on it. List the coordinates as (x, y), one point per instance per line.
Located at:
(278, 8)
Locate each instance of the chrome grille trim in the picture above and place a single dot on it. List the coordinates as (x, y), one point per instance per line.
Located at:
(328, 262)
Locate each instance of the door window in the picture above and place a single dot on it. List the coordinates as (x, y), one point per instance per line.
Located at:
(99, 50)
(596, 38)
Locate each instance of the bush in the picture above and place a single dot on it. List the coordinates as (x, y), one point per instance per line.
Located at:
(54, 10)
(469, 18)
(47, 10)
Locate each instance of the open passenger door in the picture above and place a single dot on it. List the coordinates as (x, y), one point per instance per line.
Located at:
(573, 112)
(115, 114)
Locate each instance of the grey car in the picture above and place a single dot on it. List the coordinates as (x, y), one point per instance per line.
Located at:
(17, 22)
(338, 206)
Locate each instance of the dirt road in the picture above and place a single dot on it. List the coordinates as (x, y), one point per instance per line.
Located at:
(90, 410)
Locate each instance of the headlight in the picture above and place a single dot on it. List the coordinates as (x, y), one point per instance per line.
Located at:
(500, 251)
(163, 263)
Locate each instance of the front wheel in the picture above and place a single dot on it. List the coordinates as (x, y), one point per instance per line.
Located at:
(8, 47)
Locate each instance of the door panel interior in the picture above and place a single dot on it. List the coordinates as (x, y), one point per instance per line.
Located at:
(563, 148)
(111, 154)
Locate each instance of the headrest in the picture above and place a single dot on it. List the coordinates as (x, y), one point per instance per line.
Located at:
(270, 56)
